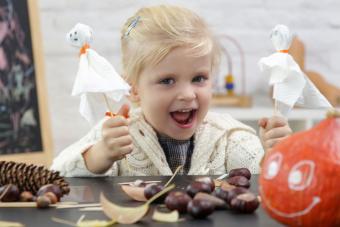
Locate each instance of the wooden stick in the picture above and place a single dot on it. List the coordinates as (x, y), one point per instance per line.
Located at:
(108, 105)
(78, 205)
(63, 221)
(222, 176)
(91, 209)
(276, 108)
(31, 204)
(147, 182)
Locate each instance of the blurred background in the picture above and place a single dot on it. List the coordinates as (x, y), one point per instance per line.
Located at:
(249, 22)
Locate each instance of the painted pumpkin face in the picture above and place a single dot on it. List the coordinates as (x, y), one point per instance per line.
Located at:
(299, 178)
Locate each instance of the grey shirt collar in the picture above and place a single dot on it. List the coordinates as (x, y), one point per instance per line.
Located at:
(177, 152)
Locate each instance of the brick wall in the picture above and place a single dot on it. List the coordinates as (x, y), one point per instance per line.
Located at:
(249, 21)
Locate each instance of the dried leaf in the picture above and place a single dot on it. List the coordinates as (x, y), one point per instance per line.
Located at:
(134, 192)
(173, 175)
(95, 223)
(128, 215)
(172, 216)
(226, 186)
(123, 215)
(87, 223)
(217, 183)
(10, 224)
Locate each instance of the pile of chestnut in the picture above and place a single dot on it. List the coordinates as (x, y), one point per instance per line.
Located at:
(201, 197)
(46, 195)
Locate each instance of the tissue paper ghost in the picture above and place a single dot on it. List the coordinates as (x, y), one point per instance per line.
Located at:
(290, 85)
(96, 78)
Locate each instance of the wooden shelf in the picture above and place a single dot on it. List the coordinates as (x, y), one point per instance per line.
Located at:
(299, 119)
(231, 100)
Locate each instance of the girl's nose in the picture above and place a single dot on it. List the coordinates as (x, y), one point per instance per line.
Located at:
(186, 93)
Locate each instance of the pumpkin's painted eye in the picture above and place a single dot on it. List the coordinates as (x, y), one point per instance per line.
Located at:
(301, 175)
(273, 166)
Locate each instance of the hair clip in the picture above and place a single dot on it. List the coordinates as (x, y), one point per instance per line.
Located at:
(133, 24)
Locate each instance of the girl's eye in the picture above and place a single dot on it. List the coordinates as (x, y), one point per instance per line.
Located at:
(167, 81)
(200, 79)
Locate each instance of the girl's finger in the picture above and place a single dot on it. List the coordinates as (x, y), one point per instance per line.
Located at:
(126, 150)
(275, 122)
(277, 133)
(272, 142)
(263, 122)
(123, 141)
(115, 132)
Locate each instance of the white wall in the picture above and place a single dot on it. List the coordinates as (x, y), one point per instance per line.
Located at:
(249, 21)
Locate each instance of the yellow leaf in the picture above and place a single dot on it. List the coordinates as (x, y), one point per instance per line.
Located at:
(172, 216)
(10, 224)
(95, 223)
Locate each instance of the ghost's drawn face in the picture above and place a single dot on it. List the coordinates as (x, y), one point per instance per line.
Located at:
(290, 177)
(79, 35)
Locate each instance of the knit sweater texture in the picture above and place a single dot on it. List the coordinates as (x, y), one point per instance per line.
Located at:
(221, 143)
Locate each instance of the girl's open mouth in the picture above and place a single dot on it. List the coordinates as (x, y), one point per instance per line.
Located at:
(184, 118)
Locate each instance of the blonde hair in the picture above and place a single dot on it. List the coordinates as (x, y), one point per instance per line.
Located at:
(149, 35)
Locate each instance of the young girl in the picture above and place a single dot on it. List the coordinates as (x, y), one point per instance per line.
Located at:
(169, 57)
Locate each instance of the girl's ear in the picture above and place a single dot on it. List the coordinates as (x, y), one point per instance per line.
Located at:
(134, 96)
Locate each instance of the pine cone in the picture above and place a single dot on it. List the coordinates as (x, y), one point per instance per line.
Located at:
(29, 177)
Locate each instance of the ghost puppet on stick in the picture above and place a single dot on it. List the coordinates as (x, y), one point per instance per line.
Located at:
(96, 81)
(290, 85)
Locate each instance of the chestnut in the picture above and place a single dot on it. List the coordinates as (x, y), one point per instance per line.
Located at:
(9, 193)
(217, 202)
(177, 200)
(50, 188)
(239, 181)
(52, 197)
(152, 189)
(43, 202)
(26, 196)
(240, 172)
(221, 194)
(235, 192)
(196, 186)
(245, 203)
(200, 208)
(208, 181)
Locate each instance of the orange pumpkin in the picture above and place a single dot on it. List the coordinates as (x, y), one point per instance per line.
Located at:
(299, 180)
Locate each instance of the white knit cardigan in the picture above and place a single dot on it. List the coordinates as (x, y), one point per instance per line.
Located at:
(221, 143)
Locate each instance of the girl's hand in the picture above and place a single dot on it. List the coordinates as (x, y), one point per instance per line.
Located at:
(116, 137)
(273, 130)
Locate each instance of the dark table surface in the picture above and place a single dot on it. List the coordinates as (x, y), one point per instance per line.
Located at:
(87, 190)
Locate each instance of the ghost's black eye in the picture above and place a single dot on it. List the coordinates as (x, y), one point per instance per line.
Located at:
(75, 32)
(71, 35)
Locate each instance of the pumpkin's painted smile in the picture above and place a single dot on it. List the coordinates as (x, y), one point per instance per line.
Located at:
(316, 200)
